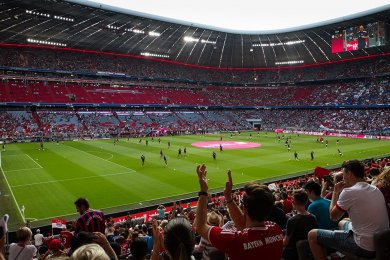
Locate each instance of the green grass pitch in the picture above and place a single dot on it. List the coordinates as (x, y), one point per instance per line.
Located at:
(47, 182)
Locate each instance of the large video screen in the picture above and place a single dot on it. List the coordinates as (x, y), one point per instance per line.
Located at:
(359, 37)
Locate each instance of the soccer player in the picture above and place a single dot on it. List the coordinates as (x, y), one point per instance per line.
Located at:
(41, 146)
(326, 143)
(362, 37)
(220, 138)
(340, 153)
(140, 140)
(214, 155)
(179, 152)
(159, 140)
(169, 144)
(185, 151)
(3, 146)
(161, 153)
(220, 148)
(146, 142)
(143, 160)
(296, 155)
(312, 155)
(288, 147)
(337, 141)
(165, 160)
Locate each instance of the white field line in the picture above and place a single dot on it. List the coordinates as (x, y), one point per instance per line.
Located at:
(70, 179)
(13, 196)
(121, 205)
(102, 159)
(34, 161)
(25, 169)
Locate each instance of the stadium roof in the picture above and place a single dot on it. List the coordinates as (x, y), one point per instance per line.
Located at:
(244, 16)
(71, 25)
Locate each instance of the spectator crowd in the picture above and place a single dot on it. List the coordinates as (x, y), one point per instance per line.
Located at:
(331, 215)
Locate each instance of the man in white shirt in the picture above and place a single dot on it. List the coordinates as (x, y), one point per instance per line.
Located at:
(367, 211)
(38, 238)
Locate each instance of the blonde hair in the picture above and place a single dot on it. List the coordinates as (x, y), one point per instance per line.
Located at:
(24, 234)
(383, 180)
(90, 252)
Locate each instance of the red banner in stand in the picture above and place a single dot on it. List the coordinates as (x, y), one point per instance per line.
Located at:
(58, 223)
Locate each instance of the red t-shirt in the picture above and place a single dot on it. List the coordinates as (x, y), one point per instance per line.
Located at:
(66, 238)
(287, 206)
(250, 243)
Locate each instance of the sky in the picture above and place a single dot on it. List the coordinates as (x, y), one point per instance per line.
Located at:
(246, 16)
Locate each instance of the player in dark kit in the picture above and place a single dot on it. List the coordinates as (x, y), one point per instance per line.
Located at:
(165, 160)
(340, 153)
(179, 152)
(159, 140)
(214, 155)
(326, 143)
(161, 153)
(143, 160)
(362, 36)
(185, 151)
(41, 146)
(288, 147)
(312, 155)
(146, 142)
(169, 144)
(220, 148)
(3, 146)
(296, 155)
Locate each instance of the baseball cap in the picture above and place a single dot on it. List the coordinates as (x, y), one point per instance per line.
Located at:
(55, 245)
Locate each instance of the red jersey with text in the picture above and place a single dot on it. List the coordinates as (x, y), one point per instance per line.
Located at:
(251, 243)
(66, 238)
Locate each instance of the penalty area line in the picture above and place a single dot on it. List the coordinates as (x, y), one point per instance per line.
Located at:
(70, 179)
(13, 196)
(34, 161)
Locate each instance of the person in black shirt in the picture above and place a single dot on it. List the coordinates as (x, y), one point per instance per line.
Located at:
(165, 160)
(298, 226)
(214, 155)
(362, 36)
(143, 160)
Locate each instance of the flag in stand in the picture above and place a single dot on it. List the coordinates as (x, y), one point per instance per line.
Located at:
(320, 172)
(58, 223)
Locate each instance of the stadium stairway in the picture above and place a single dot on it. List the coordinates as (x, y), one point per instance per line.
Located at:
(36, 118)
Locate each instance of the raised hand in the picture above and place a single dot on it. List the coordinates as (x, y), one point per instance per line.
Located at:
(228, 186)
(338, 187)
(202, 176)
